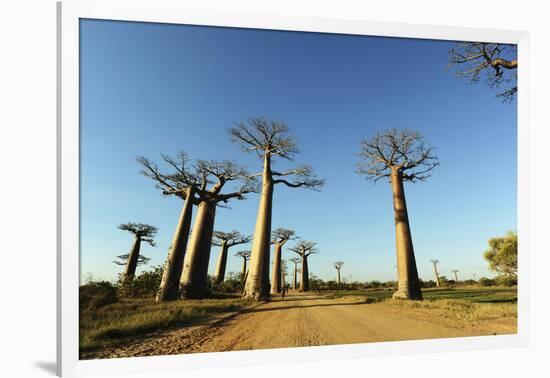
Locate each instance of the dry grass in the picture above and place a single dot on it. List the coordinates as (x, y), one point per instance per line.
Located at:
(119, 322)
(457, 309)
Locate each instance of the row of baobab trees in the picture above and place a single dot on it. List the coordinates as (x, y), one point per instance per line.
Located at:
(395, 155)
(226, 240)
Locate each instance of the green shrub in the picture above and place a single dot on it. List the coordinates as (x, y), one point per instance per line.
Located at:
(145, 284)
(507, 280)
(94, 295)
(484, 281)
(233, 283)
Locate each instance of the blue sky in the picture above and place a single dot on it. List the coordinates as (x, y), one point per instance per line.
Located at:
(152, 88)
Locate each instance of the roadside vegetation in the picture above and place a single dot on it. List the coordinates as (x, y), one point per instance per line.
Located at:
(115, 314)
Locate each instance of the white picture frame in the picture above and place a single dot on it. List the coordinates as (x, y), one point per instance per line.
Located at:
(171, 11)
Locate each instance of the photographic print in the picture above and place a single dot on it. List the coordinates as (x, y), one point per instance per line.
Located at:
(246, 189)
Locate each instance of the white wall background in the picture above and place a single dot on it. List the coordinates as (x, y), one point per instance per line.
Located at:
(27, 176)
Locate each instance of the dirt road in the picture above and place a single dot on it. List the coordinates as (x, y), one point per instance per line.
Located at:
(306, 320)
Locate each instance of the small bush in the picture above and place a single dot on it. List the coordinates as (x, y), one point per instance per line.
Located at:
(94, 295)
(233, 283)
(145, 284)
(484, 281)
(507, 280)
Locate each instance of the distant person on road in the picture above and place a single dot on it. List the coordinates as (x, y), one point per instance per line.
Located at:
(283, 292)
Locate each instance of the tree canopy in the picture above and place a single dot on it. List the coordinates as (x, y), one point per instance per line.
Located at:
(401, 150)
(496, 63)
(502, 254)
(145, 232)
(282, 235)
(270, 139)
(206, 177)
(230, 239)
(305, 248)
(244, 254)
(123, 259)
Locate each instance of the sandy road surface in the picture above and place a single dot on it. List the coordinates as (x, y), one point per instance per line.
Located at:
(305, 320)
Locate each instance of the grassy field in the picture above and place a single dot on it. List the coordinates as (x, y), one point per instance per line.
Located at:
(472, 303)
(123, 320)
(468, 293)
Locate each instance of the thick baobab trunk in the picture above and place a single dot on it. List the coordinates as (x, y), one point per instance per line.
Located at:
(131, 264)
(408, 285)
(276, 276)
(170, 283)
(304, 281)
(195, 267)
(222, 263)
(257, 282)
(338, 276)
(456, 276)
(295, 278)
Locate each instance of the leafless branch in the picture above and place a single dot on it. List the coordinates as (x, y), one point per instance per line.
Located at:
(265, 137)
(496, 62)
(305, 248)
(230, 239)
(282, 235)
(394, 149)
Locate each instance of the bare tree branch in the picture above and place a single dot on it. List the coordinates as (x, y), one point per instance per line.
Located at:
(230, 239)
(264, 136)
(123, 259)
(394, 149)
(305, 248)
(496, 62)
(282, 235)
(244, 254)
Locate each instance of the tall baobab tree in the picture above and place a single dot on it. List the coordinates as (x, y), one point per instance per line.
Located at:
(283, 274)
(400, 156)
(437, 282)
(496, 62)
(183, 182)
(455, 272)
(338, 267)
(193, 283)
(296, 261)
(245, 256)
(269, 140)
(226, 240)
(142, 233)
(278, 238)
(304, 249)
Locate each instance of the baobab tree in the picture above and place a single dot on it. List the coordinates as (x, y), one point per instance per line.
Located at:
(304, 249)
(142, 233)
(455, 272)
(437, 282)
(245, 255)
(283, 273)
(226, 240)
(183, 181)
(400, 156)
(193, 283)
(278, 238)
(338, 266)
(296, 261)
(496, 62)
(269, 140)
